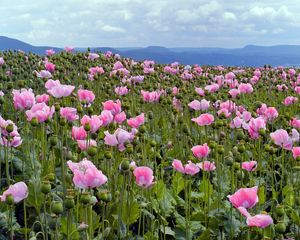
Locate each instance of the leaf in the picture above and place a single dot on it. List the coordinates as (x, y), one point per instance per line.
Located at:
(159, 189)
(288, 195)
(261, 195)
(295, 217)
(73, 230)
(178, 183)
(167, 230)
(206, 188)
(130, 213)
(204, 235)
(167, 204)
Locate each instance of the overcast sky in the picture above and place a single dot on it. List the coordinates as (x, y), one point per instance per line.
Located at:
(139, 23)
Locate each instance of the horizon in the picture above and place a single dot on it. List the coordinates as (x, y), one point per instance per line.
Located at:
(175, 47)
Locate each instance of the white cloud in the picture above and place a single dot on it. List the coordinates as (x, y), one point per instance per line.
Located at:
(108, 28)
(228, 23)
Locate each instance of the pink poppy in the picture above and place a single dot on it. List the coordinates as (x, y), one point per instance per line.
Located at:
(106, 117)
(201, 151)
(143, 176)
(94, 121)
(244, 197)
(121, 90)
(19, 191)
(113, 107)
(204, 119)
(137, 121)
(41, 112)
(42, 98)
(85, 96)
(23, 99)
(85, 144)
(296, 152)
(259, 220)
(249, 166)
(207, 166)
(69, 113)
(86, 175)
(281, 138)
(78, 133)
(120, 117)
(199, 105)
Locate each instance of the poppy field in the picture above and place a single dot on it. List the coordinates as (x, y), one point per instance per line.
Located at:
(96, 146)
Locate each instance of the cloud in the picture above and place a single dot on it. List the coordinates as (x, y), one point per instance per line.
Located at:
(108, 28)
(223, 23)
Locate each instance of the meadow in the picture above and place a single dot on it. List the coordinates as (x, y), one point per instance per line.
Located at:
(96, 146)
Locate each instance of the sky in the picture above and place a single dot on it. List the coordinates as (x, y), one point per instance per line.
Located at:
(140, 23)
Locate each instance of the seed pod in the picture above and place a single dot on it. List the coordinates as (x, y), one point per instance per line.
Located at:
(46, 187)
(57, 207)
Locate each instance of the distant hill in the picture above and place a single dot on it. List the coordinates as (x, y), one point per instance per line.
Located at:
(14, 44)
(250, 55)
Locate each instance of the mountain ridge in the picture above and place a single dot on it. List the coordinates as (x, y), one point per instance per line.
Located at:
(249, 55)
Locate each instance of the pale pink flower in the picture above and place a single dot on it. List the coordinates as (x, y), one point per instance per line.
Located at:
(204, 119)
(296, 152)
(50, 67)
(199, 105)
(41, 112)
(143, 176)
(86, 175)
(177, 165)
(120, 117)
(50, 52)
(121, 90)
(245, 88)
(78, 133)
(93, 56)
(249, 166)
(42, 98)
(290, 100)
(281, 138)
(1, 61)
(44, 74)
(201, 151)
(244, 197)
(207, 166)
(106, 117)
(191, 168)
(85, 144)
(85, 96)
(69, 49)
(200, 91)
(259, 220)
(137, 121)
(94, 121)
(23, 99)
(113, 107)
(19, 191)
(255, 125)
(69, 113)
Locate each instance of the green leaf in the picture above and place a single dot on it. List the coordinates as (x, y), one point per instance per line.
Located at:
(261, 195)
(130, 213)
(288, 195)
(167, 230)
(159, 189)
(167, 204)
(204, 235)
(178, 183)
(73, 230)
(206, 188)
